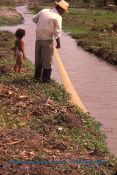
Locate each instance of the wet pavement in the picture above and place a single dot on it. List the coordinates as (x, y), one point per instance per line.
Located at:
(93, 78)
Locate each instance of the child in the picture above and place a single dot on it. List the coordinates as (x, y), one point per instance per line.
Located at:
(19, 49)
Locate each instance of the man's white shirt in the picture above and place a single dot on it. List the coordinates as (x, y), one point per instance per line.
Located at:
(49, 24)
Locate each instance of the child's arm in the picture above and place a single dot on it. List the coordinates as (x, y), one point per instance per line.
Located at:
(15, 47)
(21, 47)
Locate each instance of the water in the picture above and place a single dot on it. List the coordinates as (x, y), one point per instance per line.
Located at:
(93, 78)
(95, 81)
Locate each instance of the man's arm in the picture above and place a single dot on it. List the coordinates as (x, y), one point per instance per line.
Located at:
(57, 30)
(36, 17)
(58, 43)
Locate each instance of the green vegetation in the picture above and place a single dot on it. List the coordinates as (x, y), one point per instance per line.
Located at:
(9, 16)
(95, 30)
(39, 123)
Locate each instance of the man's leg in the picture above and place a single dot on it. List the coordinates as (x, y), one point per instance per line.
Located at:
(46, 75)
(38, 62)
(38, 72)
(47, 55)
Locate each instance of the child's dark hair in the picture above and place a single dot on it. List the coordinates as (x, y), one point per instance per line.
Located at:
(20, 33)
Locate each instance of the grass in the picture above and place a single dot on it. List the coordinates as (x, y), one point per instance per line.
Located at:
(9, 16)
(38, 118)
(87, 17)
(4, 21)
(88, 27)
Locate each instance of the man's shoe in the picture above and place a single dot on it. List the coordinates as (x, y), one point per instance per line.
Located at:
(38, 73)
(46, 75)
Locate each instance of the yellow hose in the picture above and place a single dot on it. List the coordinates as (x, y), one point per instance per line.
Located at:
(67, 83)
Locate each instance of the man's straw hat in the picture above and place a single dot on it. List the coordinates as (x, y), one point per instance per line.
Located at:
(63, 4)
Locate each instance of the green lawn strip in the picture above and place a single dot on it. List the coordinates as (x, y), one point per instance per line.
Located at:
(7, 21)
(38, 122)
(9, 16)
(88, 25)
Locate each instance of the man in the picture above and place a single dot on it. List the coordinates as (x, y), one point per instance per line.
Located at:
(49, 22)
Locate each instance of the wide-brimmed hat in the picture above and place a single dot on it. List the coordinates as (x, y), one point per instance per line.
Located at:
(63, 4)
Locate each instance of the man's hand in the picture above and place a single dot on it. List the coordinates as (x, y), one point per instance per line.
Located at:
(58, 46)
(58, 43)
